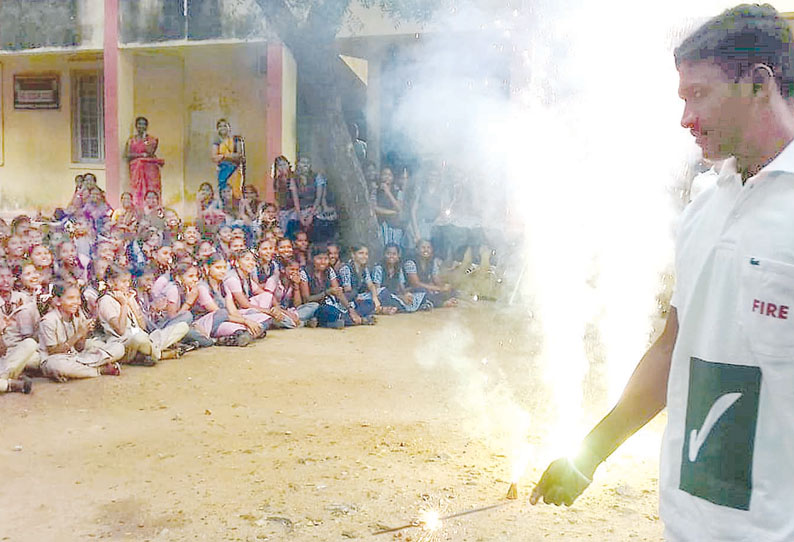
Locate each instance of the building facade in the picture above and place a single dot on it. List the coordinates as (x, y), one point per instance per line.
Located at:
(76, 73)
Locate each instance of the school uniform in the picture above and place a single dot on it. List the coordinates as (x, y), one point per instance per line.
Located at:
(330, 309)
(395, 284)
(235, 283)
(134, 337)
(426, 276)
(358, 282)
(22, 351)
(55, 330)
(282, 295)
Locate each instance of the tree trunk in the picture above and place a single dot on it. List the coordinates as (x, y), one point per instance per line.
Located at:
(318, 82)
(312, 45)
(346, 179)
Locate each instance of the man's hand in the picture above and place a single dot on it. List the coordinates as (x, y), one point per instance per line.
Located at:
(562, 483)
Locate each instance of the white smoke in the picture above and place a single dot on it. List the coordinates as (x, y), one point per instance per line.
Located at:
(491, 411)
(587, 146)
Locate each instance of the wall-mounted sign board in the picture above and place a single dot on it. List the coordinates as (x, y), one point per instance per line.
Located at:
(40, 91)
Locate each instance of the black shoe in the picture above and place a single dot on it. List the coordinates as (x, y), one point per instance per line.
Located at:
(22, 384)
(142, 360)
(239, 338)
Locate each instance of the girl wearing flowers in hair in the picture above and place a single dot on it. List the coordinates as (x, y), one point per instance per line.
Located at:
(66, 349)
(123, 320)
(214, 313)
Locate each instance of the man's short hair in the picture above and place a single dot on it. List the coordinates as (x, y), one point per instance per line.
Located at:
(740, 38)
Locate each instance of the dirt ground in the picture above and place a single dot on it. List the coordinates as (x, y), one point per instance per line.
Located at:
(308, 435)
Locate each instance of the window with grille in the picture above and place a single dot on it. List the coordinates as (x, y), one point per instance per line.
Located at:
(88, 117)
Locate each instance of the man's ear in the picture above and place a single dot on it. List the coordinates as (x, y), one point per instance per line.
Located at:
(763, 80)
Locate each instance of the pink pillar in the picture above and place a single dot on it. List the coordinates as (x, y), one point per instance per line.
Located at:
(273, 111)
(111, 71)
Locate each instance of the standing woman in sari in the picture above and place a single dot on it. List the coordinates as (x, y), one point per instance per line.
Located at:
(227, 158)
(144, 165)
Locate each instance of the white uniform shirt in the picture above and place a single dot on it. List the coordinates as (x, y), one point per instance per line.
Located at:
(108, 309)
(54, 330)
(703, 182)
(727, 470)
(24, 318)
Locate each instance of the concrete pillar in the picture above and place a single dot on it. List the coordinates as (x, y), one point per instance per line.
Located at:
(289, 105)
(373, 111)
(111, 74)
(273, 114)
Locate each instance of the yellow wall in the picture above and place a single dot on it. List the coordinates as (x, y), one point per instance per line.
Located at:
(224, 81)
(158, 86)
(183, 91)
(37, 168)
(126, 110)
(289, 105)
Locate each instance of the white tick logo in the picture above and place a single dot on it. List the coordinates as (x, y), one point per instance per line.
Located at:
(720, 406)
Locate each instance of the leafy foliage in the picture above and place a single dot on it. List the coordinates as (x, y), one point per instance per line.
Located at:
(333, 12)
(406, 10)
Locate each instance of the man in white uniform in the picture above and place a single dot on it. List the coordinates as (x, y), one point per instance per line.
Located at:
(724, 364)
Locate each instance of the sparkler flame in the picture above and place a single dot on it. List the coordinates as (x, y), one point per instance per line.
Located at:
(520, 462)
(430, 520)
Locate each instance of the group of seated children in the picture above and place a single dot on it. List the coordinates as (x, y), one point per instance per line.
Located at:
(94, 288)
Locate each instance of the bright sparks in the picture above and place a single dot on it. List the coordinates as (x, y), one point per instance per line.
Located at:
(520, 462)
(430, 520)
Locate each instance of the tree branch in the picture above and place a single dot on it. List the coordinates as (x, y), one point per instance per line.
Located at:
(280, 19)
(325, 18)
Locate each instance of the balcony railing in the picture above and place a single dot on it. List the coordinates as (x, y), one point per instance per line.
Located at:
(32, 24)
(163, 20)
